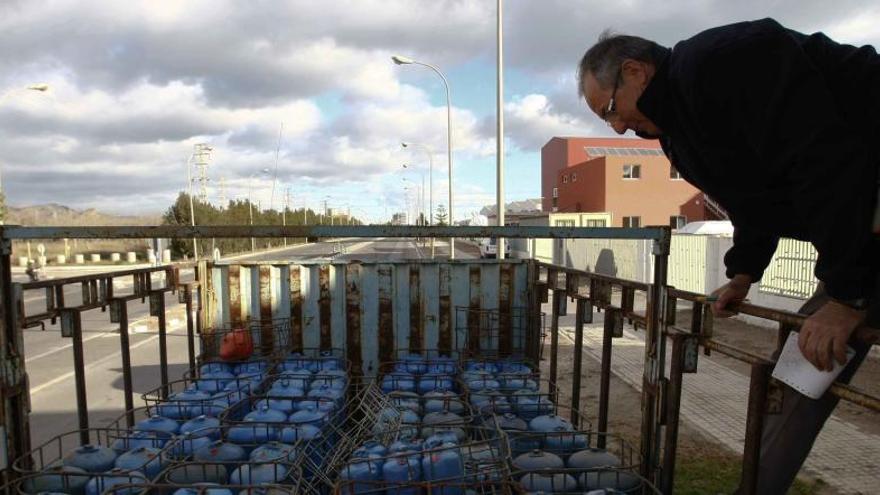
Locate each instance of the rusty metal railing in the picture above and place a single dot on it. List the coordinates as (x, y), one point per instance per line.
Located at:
(765, 394)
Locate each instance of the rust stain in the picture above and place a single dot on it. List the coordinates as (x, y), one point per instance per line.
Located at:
(296, 310)
(505, 312)
(444, 341)
(386, 314)
(267, 338)
(233, 282)
(474, 315)
(416, 313)
(353, 317)
(324, 313)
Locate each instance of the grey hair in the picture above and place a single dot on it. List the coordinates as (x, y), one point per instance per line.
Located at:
(604, 59)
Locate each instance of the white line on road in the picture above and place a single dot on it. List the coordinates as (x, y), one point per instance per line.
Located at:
(67, 346)
(69, 375)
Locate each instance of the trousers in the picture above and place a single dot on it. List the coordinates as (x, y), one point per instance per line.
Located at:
(788, 437)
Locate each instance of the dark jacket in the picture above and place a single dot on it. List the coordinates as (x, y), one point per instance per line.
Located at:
(783, 130)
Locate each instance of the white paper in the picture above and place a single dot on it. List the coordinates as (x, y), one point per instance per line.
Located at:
(794, 370)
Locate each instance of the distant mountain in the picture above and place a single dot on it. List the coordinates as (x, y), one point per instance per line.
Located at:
(53, 214)
(515, 207)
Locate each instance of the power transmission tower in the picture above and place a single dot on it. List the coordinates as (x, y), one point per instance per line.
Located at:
(202, 158)
(222, 194)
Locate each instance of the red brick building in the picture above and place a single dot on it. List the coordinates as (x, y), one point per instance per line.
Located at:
(630, 178)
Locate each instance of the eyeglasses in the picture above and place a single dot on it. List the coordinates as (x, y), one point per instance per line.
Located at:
(611, 110)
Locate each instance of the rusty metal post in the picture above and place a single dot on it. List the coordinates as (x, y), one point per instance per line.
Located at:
(554, 341)
(187, 295)
(157, 309)
(654, 349)
(673, 408)
(578, 362)
(612, 319)
(754, 427)
(119, 314)
(71, 326)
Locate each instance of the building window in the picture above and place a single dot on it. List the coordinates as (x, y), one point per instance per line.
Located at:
(674, 174)
(632, 222)
(596, 223)
(678, 221)
(555, 192)
(564, 223)
(565, 179)
(574, 177)
(632, 171)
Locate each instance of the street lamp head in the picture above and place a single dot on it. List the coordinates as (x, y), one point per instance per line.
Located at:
(39, 87)
(400, 60)
(404, 144)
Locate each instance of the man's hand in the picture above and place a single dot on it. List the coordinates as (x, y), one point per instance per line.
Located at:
(824, 334)
(732, 292)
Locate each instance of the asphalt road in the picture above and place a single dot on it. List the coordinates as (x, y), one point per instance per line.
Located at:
(49, 357)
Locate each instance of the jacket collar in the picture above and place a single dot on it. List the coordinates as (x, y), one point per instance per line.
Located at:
(652, 102)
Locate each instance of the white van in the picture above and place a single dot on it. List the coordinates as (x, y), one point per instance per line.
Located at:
(489, 248)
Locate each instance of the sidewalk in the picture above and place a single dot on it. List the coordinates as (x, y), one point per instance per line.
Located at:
(715, 399)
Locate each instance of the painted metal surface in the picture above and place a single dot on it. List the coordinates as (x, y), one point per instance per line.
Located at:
(372, 310)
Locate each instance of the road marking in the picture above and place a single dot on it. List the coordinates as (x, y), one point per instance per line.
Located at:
(67, 376)
(418, 251)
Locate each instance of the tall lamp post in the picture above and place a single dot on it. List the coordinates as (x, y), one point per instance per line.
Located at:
(251, 204)
(421, 192)
(430, 184)
(399, 60)
(42, 87)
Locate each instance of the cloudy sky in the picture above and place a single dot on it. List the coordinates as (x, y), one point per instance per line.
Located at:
(135, 84)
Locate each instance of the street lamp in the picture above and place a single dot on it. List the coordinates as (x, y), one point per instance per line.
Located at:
(251, 204)
(400, 60)
(41, 87)
(421, 191)
(430, 184)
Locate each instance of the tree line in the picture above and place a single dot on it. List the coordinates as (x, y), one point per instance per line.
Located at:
(238, 212)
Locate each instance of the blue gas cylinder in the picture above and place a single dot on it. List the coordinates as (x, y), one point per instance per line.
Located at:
(298, 377)
(481, 365)
(255, 474)
(187, 443)
(509, 422)
(442, 365)
(203, 489)
(548, 483)
(530, 405)
(443, 436)
(437, 401)
(219, 451)
(444, 463)
(297, 360)
(481, 384)
(406, 400)
(106, 481)
(404, 382)
(319, 403)
(253, 379)
(127, 441)
(412, 444)
(179, 404)
(250, 367)
(512, 384)
(158, 423)
(92, 458)
(214, 381)
(196, 473)
(304, 432)
(361, 469)
(591, 458)
(469, 376)
(274, 451)
(490, 401)
(58, 479)
(537, 459)
(550, 423)
(249, 433)
(214, 367)
(403, 469)
(333, 382)
(204, 425)
(148, 460)
(411, 363)
(308, 416)
(515, 367)
(328, 362)
(442, 418)
(326, 392)
(284, 405)
(287, 387)
(428, 383)
(621, 481)
(265, 414)
(564, 442)
(375, 448)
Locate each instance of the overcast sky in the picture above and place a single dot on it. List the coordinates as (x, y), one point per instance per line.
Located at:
(135, 84)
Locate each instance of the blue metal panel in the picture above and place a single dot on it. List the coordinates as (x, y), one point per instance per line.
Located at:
(311, 293)
(520, 302)
(370, 319)
(401, 306)
(489, 285)
(337, 304)
(221, 296)
(281, 292)
(430, 294)
(250, 276)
